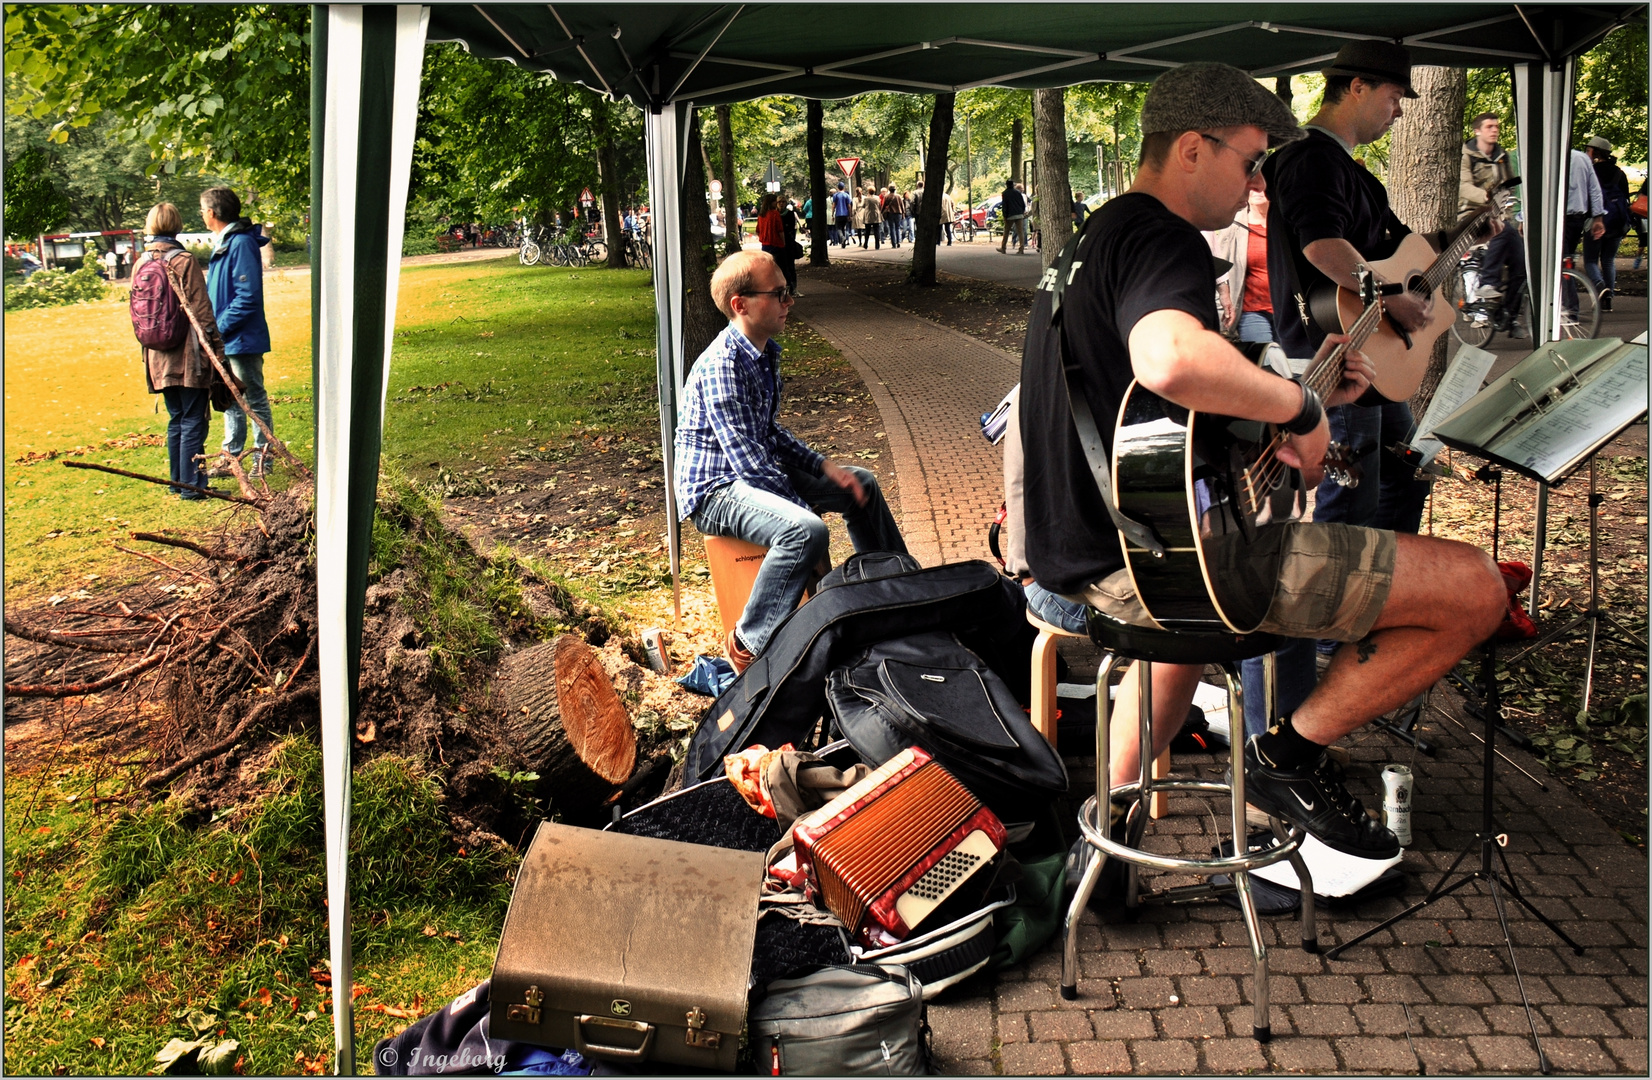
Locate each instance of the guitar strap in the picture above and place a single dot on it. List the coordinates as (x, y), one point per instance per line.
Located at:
(1089, 436)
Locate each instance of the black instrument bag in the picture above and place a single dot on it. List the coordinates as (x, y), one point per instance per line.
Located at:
(930, 690)
(782, 695)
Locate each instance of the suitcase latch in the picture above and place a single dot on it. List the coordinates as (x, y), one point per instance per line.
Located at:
(696, 1035)
(528, 1013)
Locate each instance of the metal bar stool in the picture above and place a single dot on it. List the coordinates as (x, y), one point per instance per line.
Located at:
(1122, 641)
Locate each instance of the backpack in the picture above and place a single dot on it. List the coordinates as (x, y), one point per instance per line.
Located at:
(847, 1020)
(157, 315)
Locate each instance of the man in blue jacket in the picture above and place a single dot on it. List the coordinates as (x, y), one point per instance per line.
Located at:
(235, 284)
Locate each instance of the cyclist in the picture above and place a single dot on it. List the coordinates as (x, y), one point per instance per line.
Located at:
(1485, 165)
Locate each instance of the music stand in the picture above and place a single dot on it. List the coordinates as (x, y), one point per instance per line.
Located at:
(1545, 414)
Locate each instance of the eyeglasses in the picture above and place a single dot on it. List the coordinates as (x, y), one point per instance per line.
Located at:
(782, 294)
(1253, 165)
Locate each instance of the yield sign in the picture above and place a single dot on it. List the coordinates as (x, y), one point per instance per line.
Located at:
(586, 196)
(848, 165)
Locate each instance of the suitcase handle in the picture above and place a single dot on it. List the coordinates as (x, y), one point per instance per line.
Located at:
(637, 1054)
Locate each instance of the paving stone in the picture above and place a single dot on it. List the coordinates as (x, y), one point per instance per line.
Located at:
(1108, 965)
(970, 1067)
(1241, 1020)
(1382, 1019)
(962, 1029)
(1323, 1020)
(1012, 1027)
(1585, 990)
(1457, 989)
(1584, 1020)
(1410, 960)
(1332, 988)
(1145, 993)
(1033, 1059)
(1210, 990)
(1578, 1056)
(1021, 997)
(1630, 1054)
(1154, 1057)
(1189, 935)
(1123, 1024)
(1511, 1020)
(1191, 1022)
(1450, 1020)
(1172, 961)
(1400, 988)
(1099, 1058)
(1231, 1057)
(1503, 1053)
(1443, 1056)
(1366, 1054)
(1312, 1056)
(1061, 1027)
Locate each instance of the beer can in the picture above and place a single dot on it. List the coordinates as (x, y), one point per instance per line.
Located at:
(653, 644)
(1396, 802)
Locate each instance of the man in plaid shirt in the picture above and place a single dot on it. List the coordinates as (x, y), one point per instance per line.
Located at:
(740, 473)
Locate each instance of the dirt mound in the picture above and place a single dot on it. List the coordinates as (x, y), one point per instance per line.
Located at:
(211, 662)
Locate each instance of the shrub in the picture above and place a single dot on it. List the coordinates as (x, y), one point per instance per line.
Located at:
(50, 288)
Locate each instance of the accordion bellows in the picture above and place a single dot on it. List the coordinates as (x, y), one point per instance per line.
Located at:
(889, 850)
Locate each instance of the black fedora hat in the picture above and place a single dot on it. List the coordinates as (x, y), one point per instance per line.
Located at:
(1385, 61)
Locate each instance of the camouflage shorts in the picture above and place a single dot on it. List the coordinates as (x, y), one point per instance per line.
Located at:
(1300, 580)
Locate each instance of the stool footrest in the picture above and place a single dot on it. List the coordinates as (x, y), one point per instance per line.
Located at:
(1097, 838)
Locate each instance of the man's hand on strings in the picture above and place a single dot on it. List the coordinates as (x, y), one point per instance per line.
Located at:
(1357, 372)
(1307, 452)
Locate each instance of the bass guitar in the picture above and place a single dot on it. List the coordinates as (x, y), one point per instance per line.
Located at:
(1194, 477)
(1400, 359)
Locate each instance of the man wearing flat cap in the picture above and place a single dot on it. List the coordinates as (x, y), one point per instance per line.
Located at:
(1139, 313)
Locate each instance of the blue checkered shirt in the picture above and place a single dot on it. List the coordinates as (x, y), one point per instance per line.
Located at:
(728, 430)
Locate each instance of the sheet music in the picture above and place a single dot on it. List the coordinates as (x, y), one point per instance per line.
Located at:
(1548, 441)
(1463, 378)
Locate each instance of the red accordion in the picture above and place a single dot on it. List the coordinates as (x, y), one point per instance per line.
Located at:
(888, 851)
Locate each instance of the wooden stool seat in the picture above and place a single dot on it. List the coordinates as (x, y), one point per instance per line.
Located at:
(734, 565)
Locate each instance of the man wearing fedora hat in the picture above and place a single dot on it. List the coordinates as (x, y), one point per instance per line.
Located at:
(1139, 305)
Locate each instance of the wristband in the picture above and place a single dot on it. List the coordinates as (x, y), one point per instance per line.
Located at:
(1307, 420)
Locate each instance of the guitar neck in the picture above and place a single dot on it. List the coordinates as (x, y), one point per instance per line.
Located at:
(1441, 268)
(1323, 377)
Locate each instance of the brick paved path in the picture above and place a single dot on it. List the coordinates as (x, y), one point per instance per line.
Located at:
(1168, 991)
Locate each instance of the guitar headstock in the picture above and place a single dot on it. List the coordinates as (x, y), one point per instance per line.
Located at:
(1369, 293)
(1341, 466)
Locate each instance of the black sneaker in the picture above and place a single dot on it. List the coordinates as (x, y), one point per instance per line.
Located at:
(1317, 799)
(1124, 827)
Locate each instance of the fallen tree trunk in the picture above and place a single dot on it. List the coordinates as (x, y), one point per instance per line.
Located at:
(565, 722)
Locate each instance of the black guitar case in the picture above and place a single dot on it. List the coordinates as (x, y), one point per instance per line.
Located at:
(929, 690)
(782, 695)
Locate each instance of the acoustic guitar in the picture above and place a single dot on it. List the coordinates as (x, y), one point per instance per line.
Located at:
(1400, 359)
(1193, 477)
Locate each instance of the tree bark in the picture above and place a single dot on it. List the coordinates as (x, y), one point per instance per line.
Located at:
(610, 201)
(1055, 192)
(927, 233)
(1017, 137)
(731, 190)
(1423, 163)
(701, 319)
(820, 219)
(564, 721)
(1282, 88)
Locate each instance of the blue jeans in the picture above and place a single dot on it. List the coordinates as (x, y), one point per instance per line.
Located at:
(186, 434)
(1256, 326)
(249, 368)
(1056, 610)
(1600, 258)
(796, 539)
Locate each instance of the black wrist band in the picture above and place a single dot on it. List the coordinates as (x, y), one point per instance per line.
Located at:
(1305, 421)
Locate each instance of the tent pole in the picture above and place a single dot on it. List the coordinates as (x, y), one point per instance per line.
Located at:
(661, 137)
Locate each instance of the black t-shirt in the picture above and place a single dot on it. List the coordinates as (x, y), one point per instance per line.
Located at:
(1136, 257)
(1317, 192)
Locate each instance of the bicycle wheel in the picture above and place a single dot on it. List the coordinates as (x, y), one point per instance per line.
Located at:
(1472, 324)
(559, 254)
(529, 253)
(596, 251)
(1585, 321)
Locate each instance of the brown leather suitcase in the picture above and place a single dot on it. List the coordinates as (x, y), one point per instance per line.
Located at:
(628, 948)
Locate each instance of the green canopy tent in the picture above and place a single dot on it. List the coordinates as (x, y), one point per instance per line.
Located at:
(668, 58)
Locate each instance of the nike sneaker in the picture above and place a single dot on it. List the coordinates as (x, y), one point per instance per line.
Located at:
(1316, 799)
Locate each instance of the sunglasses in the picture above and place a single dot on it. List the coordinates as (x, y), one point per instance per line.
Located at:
(782, 294)
(1252, 165)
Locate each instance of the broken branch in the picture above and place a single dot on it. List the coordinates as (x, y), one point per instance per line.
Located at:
(255, 716)
(163, 562)
(159, 480)
(72, 640)
(76, 689)
(190, 545)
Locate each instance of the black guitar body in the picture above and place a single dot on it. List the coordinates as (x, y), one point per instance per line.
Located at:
(1184, 474)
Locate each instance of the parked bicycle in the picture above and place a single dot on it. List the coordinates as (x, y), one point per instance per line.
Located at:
(637, 251)
(1480, 304)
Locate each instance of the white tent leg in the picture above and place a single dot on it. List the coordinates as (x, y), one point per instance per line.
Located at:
(373, 59)
(662, 136)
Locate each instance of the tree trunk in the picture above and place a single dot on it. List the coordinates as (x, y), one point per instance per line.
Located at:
(610, 202)
(1282, 87)
(731, 190)
(820, 219)
(564, 721)
(927, 234)
(1017, 135)
(1423, 165)
(1055, 191)
(701, 319)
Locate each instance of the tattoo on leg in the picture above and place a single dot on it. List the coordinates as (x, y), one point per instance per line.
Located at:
(1367, 646)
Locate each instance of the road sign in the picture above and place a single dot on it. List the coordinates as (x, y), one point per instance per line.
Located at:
(847, 166)
(771, 179)
(716, 187)
(586, 197)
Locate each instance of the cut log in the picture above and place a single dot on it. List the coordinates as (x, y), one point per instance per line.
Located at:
(566, 723)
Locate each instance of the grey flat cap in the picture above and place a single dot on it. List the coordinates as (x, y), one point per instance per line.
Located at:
(1600, 144)
(1199, 97)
